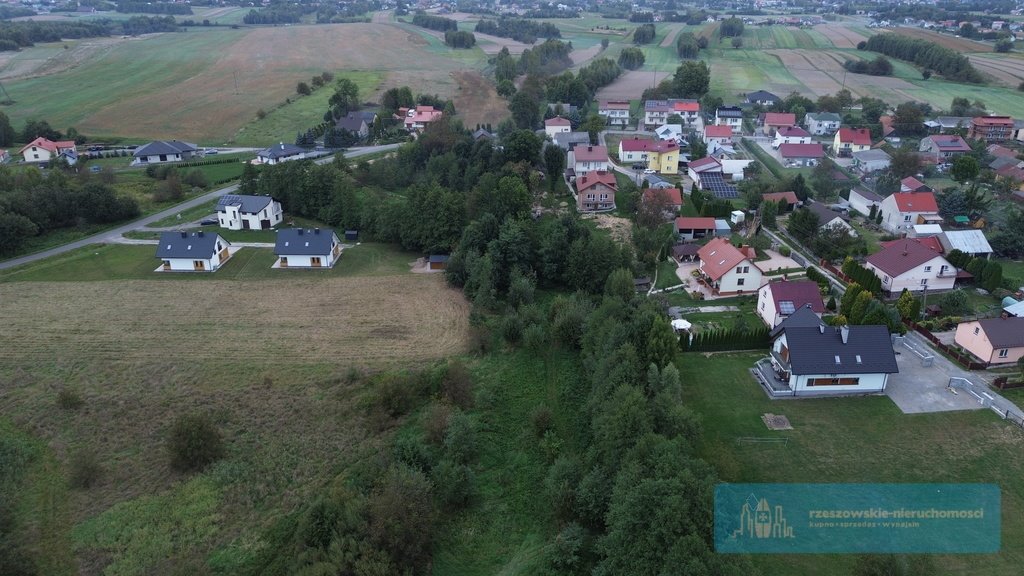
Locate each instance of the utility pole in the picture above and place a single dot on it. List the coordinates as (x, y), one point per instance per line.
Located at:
(234, 74)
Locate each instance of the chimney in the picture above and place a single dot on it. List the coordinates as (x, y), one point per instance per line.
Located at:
(844, 332)
(590, 148)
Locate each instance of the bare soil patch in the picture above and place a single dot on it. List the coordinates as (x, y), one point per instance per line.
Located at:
(476, 100)
(946, 40)
(670, 38)
(620, 228)
(491, 45)
(630, 84)
(822, 73)
(580, 57)
(1004, 71)
(840, 36)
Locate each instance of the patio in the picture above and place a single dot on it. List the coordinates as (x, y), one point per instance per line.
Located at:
(685, 272)
(772, 384)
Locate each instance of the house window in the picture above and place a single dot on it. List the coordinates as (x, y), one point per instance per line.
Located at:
(740, 282)
(927, 268)
(885, 279)
(739, 269)
(833, 381)
(976, 330)
(924, 281)
(906, 218)
(762, 306)
(1004, 352)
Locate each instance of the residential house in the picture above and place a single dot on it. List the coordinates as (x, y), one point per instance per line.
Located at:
(160, 151)
(43, 150)
(705, 165)
(762, 97)
(358, 123)
(948, 124)
(773, 121)
(485, 134)
(242, 212)
(991, 128)
(655, 181)
(789, 198)
(970, 242)
(1000, 151)
(900, 211)
(862, 200)
(872, 160)
(717, 135)
(822, 123)
(595, 191)
(910, 264)
(656, 112)
(279, 153)
(689, 110)
(672, 198)
(911, 184)
(942, 147)
(569, 140)
(801, 154)
(777, 301)
(304, 248)
(416, 119)
(632, 150)
(585, 159)
(556, 125)
(889, 133)
(663, 156)
(192, 251)
(695, 228)
(727, 269)
(829, 219)
(615, 112)
(993, 340)
(731, 116)
(791, 135)
(811, 359)
(850, 140)
(672, 132)
(709, 174)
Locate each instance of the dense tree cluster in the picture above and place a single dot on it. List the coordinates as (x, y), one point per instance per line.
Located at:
(731, 28)
(687, 45)
(644, 34)
(692, 79)
(631, 58)
(279, 14)
(525, 31)
(433, 22)
(459, 39)
(927, 54)
(149, 24)
(546, 58)
(136, 7)
(16, 35)
(880, 66)
(641, 17)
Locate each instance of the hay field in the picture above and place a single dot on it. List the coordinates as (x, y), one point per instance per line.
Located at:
(840, 36)
(1005, 69)
(822, 73)
(962, 45)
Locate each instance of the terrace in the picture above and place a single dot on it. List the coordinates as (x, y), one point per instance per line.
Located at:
(768, 375)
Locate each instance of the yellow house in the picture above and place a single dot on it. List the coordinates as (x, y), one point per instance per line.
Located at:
(663, 157)
(850, 140)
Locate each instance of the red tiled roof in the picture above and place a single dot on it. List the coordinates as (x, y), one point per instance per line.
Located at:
(718, 257)
(557, 121)
(694, 223)
(950, 142)
(858, 136)
(591, 179)
(659, 146)
(901, 256)
(993, 121)
(793, 132)
(789, 197)
(681, 106)
(886, 122)
(912, 184)
(931, 242)
(705, 163)
(49, 145)
(634, 144)
(673, 195)
(801, 151)
(1001, 151)
(799, 293)
(779, 119)
(915, 202)
(590, 154)
(717, 131)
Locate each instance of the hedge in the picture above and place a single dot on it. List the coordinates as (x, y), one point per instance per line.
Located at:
(731, 339)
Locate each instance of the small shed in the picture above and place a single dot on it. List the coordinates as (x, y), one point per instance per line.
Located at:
(737, 216)
(722, 228)
(351, 235)
(685, 252)
(642, 284)
(437, 261)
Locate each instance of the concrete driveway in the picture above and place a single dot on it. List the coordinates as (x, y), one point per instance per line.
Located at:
(776, 261)
(918, 389)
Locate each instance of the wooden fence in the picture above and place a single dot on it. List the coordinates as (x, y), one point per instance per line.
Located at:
(1003, 383)
(960, 358)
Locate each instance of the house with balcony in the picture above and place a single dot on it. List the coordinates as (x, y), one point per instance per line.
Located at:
(902, 210)
(585, 159)
(731, 116)
(910, 264)
(850, 140)
(774, 121)
(717, 136)
(991, 128)
(615, 112)
(822, 123)
(595, 191)
(791, 135)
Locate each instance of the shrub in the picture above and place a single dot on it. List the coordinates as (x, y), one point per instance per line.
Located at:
(396, 394)
(435, 422)
(68, 399)
(541, 420)
(402, 517)
(454, 484)
(785, 250)
(195, 178)
(194, 443)
(85, 470)
(460, 440)
(457, 385)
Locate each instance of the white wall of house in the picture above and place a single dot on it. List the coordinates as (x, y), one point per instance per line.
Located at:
(766, 307)
(233, 219)
(866, 384)
(822, 128)
(582, 168)
(615, 117)
(735, 123)
(749, 279)
(895, 221)
(927, 274)
(37, 154)
(860, 203)
(158, 158)
(552, 130)
(306, 261)
(780, 140)
(632, 155)
(189, 264)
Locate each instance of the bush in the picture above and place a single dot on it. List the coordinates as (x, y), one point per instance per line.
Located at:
(68, 399)
(435, 422)
(397, 394)
(460, 441)
(454, 484)
(785, 250)
(541, 420)
(457, 385)
(195, 178)
(85, 470)
(194, 443)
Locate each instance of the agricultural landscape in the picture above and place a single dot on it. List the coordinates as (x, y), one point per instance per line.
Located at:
(529, 410)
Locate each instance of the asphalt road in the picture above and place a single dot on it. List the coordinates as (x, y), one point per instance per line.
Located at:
(108, 235)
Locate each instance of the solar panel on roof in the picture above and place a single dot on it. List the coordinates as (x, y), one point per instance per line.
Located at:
(719, 187)
(786, 307)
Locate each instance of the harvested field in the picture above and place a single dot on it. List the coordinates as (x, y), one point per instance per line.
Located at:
(670, 37)
(580, 57)
(1005, 70)
(822, 73)
(840, 36)
(631, 84)
(476, 101)
(348, 321)
(491, 45)
(710, 30)
(962, 45)
(45, 59)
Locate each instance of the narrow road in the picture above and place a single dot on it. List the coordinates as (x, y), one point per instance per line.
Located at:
(114, 233)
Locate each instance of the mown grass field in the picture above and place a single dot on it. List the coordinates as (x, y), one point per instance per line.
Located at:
(854, 440)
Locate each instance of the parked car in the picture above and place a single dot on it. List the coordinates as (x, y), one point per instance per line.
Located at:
(211, 151)
(639, 166)
(208, 222)
(650, 171)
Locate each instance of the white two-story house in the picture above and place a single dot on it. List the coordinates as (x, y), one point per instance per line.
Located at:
(910, 264)
(242, 212)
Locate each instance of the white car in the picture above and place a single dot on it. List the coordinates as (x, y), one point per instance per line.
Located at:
(650, 171)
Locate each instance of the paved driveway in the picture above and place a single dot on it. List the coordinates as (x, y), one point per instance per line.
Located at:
(917, 389)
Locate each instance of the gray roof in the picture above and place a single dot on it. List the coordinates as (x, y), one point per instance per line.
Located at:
(246, 204)
(820, 350)
(967, 241)
(872, 155)
(1004, 332)
(825, 214)
(762, 95)
(824, 117)
(199, 245)
(304, 242)
(804, 317)
(867, 194)
(353, 122)
(729, 112)
(281, 150)
(158, 147)
(567, 140)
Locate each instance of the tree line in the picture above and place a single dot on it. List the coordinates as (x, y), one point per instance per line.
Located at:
(644, 34)
(525, 31)
(431, 22)
(880, 66)
(459, 39)
(131, 6)
(926, 54)
(17, 35)
(280, 14)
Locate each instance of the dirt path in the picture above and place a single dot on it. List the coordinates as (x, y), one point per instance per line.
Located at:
(670, 38)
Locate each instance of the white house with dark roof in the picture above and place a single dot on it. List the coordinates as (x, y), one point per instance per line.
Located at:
(160, 151)
(808, 358)
(192, 252)
(241, 212)
(731, 116)
(279, 153)
(822, 123)
(862, 199)
(829, 219)
(306, 248)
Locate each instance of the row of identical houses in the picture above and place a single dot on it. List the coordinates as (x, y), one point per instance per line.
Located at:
(207, 251)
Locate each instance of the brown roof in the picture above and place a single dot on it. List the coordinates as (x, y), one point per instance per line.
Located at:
(801, 151)
(993, 121)
(915, 202)
(694, 223)
(928, 241)
(590, 154)
(591, 179)
(858, 136)
(799, 293)
(557, 121)
(901, 256)
(673, 194)
(789, 197)
(1004, 332)
(717, 131)
(718, 257)
(779, 119)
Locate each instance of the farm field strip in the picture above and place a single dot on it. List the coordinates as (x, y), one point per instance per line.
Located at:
(962, 45)
(1004, 70)
(840, 36)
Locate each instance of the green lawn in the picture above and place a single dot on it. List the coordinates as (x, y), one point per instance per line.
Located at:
(280, 124)
(102, 262)
(186, 216)
(854, 440)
